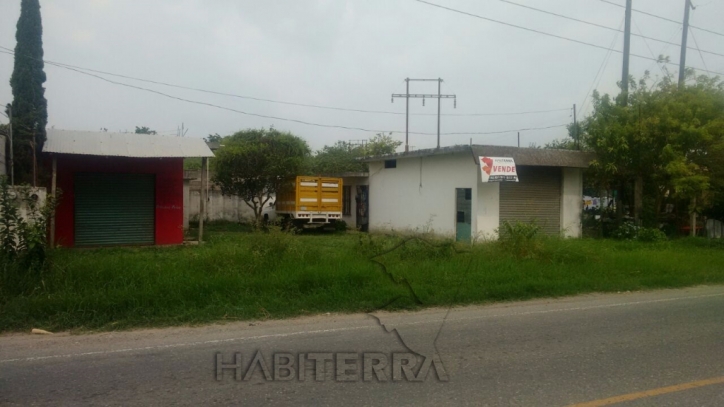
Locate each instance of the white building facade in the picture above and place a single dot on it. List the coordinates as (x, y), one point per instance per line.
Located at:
(441, 191)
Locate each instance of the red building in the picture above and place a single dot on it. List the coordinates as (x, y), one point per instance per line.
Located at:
(119, 188)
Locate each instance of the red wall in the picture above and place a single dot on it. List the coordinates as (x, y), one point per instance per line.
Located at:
(169, 192)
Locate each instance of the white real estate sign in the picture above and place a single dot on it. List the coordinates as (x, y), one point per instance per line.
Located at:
(497, 169)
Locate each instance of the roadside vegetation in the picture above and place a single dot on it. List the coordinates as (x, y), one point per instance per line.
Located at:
(248, 275)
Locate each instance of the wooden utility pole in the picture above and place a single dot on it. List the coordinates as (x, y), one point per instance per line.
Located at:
(626, 54)
(684, 36)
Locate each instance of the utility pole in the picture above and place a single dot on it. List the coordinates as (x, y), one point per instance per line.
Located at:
(626, 54)
(12, 154)
(407, 115)
(439, 87)
(684, 36)
(575, 129)
(518, 139)
(422, 96)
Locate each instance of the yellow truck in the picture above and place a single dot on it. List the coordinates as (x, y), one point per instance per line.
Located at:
(311, 201)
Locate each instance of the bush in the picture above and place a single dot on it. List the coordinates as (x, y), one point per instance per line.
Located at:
(272, 245)
(629, 231)
(520, 239)
(340, 226)
(651, 235)
(23, 239)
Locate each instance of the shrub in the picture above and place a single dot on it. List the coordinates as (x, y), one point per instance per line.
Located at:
(273, 245)
(520, 239)
(651, 235)
(23, 239)
(629, 231)
(340, 226)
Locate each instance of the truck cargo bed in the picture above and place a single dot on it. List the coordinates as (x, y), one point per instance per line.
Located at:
(313, 199)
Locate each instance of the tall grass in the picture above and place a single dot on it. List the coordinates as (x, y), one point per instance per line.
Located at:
(243, 275)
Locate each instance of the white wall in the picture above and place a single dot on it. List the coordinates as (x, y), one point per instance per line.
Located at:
(488, 209)
(218, 206)
(399, 202)
(572, 202)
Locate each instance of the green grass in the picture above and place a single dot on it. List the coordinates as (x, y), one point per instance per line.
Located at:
(242, 275)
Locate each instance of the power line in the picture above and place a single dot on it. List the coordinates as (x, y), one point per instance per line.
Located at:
(664, 18)
(547, 34)
(697, 48)
(279, 118)
(285, 102)
(601, 69)
(501, 131)
(640, 35)
(650, 50)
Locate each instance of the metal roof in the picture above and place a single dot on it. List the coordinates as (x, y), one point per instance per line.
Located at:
(522, 156)
(123, 144)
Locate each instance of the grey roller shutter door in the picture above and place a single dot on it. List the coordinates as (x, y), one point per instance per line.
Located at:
(114, 209)
(536, 197)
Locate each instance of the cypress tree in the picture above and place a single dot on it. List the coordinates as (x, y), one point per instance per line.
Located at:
(30, 109)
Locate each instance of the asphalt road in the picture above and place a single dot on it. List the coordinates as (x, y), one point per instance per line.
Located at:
(663, 348)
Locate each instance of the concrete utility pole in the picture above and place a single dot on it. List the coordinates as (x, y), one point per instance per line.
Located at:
(407, 115)
(684, 36)
(202, 199)
(407, 97)
(575, 129)
(626, 54)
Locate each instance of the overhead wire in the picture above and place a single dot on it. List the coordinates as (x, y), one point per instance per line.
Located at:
(274, 117)
(663, 18)
(286, 102)
(697, 47)
(640, 35)
(546, 33)
(599, 73)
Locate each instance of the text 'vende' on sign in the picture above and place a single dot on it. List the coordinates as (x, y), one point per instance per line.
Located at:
(497, 169)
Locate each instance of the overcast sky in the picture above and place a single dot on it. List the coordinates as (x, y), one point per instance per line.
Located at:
(342, 53)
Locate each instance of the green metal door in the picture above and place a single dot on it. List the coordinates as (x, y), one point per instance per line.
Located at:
(114, 209)
(463, 214)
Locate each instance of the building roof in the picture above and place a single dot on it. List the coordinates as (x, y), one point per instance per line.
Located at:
(123, 144)
(522, 156)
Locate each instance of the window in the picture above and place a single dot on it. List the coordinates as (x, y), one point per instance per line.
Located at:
(468, 194)
(346, 200)
(390, 163)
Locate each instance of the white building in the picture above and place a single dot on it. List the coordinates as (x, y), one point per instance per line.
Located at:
(441, 190)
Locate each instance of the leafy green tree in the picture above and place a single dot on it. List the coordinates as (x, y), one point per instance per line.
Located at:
(344, 157)
(29, 107)
(667, 141)
(214, 138)
(338, 158)
(256, 164)
(381, 144)
(144, 130)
